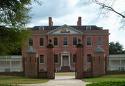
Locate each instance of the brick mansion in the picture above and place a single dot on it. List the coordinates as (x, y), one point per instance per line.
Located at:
(80, 48)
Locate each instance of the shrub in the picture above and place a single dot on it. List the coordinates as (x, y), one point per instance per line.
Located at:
(108, 83)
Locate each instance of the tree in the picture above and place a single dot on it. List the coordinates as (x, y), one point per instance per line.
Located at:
(14, 13)
(109, 6)
(11, 39)
(13, 18)
(116, 48)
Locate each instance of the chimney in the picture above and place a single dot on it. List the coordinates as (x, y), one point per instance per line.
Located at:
(50, 21)
(79, 22)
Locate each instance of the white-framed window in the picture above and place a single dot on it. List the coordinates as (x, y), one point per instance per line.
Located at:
(41, 59)
(30, 42)
(74, 40)
(55, 41)
(100, 40)
(89, 41)
(89, 58)
(41, 41)
(65, 41)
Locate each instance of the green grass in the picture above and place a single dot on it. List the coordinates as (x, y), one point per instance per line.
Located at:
(108, 83)
(65, 74)
(120, 77)
(20, 80)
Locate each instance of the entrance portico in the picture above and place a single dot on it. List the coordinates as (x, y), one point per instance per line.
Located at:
(65, 61)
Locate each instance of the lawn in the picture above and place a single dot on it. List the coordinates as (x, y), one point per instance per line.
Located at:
(120, 77)
(19, 80)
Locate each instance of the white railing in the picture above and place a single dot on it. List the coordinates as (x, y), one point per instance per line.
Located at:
(11, 64)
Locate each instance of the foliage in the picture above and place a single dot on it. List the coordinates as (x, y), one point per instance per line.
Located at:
(11, 39)
(14, 12)
(116, 48)
(109, 83)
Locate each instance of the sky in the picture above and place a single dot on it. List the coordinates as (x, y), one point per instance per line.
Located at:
(68, 11)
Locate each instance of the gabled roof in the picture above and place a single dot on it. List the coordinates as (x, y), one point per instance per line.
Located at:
(65, 29)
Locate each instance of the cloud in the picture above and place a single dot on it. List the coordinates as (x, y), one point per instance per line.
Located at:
(67, 11)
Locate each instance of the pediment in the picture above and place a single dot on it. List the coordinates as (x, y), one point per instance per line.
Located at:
(65, 30)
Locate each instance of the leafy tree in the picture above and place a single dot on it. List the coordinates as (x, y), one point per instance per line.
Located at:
(116, 48)
(13, 18)
(14, 13)
(11, 39)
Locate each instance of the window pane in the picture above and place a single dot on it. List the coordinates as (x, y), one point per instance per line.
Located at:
(41, 58)
(65, 41)
(99, 41)
(55, 41)
(74, 41)
(89, 58)
(89, 41)
(30, 42)
(56, 58)
(41, 41)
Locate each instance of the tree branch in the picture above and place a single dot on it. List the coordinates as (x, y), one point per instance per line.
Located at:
(109, 8)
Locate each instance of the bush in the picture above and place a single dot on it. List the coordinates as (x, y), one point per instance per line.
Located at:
(108, 83)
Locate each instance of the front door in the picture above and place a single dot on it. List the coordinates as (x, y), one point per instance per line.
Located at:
(65, 60)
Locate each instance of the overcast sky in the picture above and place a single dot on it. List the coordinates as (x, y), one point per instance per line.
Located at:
(67, 12)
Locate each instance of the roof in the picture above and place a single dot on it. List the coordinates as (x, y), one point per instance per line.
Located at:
(81, 28)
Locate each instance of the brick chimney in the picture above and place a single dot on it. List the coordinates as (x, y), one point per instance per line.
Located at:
(50, 21)
(79, 22)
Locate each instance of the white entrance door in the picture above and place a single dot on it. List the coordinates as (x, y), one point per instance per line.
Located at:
(65, 60)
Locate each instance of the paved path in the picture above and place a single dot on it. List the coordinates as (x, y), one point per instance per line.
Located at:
(61, 81)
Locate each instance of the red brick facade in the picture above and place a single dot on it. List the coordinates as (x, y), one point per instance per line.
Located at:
(67, 56)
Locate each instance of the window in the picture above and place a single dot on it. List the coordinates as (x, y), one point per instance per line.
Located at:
(89, 41)
(65, 41)
(41, 59)
(30, 42)
(99, 41)
(89, 58)
(55, 41)
(56, 58)
(74, 58)
(74, 41)
(41, 41)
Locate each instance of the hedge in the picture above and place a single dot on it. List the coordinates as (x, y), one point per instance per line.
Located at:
(108, 83)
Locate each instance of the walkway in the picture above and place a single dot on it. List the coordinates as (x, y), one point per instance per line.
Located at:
(62, 81)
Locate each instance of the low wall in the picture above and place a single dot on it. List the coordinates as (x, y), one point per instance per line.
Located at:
(42, 75)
